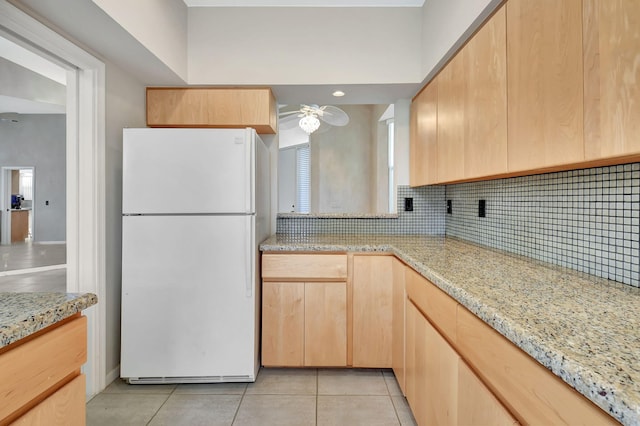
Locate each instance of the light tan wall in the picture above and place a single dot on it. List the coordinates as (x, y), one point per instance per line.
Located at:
(125, 107)
(379, 163)
(160, 25)
(341, 165)
(304, 45)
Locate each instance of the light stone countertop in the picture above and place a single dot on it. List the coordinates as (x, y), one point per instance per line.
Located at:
(584, 329)
(22, 314)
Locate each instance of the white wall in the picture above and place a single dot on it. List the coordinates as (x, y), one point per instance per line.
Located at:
(446, 24)
(401, 140)
(160, 25)
(125, 107)
(289, 45)
(39, 141)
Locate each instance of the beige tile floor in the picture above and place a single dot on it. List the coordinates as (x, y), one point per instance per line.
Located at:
(31, 255)
(281, 397)
(18, 260)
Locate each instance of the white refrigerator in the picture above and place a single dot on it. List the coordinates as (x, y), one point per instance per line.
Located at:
(195, 207)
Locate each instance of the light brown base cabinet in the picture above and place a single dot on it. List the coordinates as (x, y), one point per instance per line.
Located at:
(373, 311)
(304, 310)
(40, 379)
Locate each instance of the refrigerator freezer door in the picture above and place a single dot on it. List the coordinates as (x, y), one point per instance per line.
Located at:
(188, 298)
(180, 171)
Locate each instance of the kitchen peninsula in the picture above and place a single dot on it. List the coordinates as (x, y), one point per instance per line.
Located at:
(581, 328)
(43, 344)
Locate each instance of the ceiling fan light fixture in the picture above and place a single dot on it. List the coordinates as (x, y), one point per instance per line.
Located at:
(309, 123)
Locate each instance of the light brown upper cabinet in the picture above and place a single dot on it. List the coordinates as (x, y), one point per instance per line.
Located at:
(545, 83)
(485, 113)
(451, 125)
(424, 137)
(460, 119)
(212, 107)
(612, 78)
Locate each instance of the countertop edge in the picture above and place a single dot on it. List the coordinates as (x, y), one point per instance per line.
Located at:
(588, 383)
(39, 319)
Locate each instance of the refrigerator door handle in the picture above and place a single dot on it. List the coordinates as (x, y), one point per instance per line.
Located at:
(249, 255)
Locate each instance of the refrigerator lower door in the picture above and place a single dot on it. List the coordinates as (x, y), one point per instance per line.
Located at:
(188, 299)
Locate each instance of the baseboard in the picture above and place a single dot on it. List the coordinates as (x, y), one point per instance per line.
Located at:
(49, 242)
(32, 270)
(111, 376)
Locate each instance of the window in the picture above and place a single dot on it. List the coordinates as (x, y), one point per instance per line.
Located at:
(26, 184)
(390, 161)
(303, 179)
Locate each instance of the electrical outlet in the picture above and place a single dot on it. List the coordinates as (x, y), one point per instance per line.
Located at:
(482, 208)
(408, 204)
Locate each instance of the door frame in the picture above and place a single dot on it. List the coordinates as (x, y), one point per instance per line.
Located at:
(85, 159)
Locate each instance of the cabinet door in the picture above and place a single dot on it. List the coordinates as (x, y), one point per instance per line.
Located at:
(212, 107)
(485, 112)
(612, 89)
(415, 362)
(398, 324)
(66, 407)
(441, 398)
(283, 324)
(424, 137)
(476, 404)
(325, 324)
(372, 311)
(545, 83)
(431, 372)
(451, 127)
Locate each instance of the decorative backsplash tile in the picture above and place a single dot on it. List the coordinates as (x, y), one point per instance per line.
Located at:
(427, 218)
(588, 220)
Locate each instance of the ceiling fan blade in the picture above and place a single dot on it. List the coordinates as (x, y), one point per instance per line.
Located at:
(282, 114)
(334, 116)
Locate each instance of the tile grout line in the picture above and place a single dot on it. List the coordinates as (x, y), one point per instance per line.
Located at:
(162, 405)
(244, 393)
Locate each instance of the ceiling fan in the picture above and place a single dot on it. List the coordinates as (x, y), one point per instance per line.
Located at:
(313, 117)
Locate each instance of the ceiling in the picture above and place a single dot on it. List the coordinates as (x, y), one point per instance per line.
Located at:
(304, 3)
(34, 62)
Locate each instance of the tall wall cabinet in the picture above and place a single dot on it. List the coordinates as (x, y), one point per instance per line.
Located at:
(544, 85)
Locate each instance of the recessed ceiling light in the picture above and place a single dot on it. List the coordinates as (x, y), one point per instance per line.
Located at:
(338, 93)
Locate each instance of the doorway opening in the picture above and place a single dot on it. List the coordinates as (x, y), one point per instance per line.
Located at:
(17, 204)
(85, 172)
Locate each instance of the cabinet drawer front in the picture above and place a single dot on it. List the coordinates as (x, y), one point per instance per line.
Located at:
(532, 393)
(30, 369)
(304, 266)
(66, 407)
(433, 302)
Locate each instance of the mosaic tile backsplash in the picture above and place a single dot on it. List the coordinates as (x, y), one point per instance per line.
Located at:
(427, 218)
(588, 220)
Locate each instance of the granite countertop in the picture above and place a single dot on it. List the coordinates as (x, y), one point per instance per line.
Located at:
(584, 329)
(337, 215)
(22, 314)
